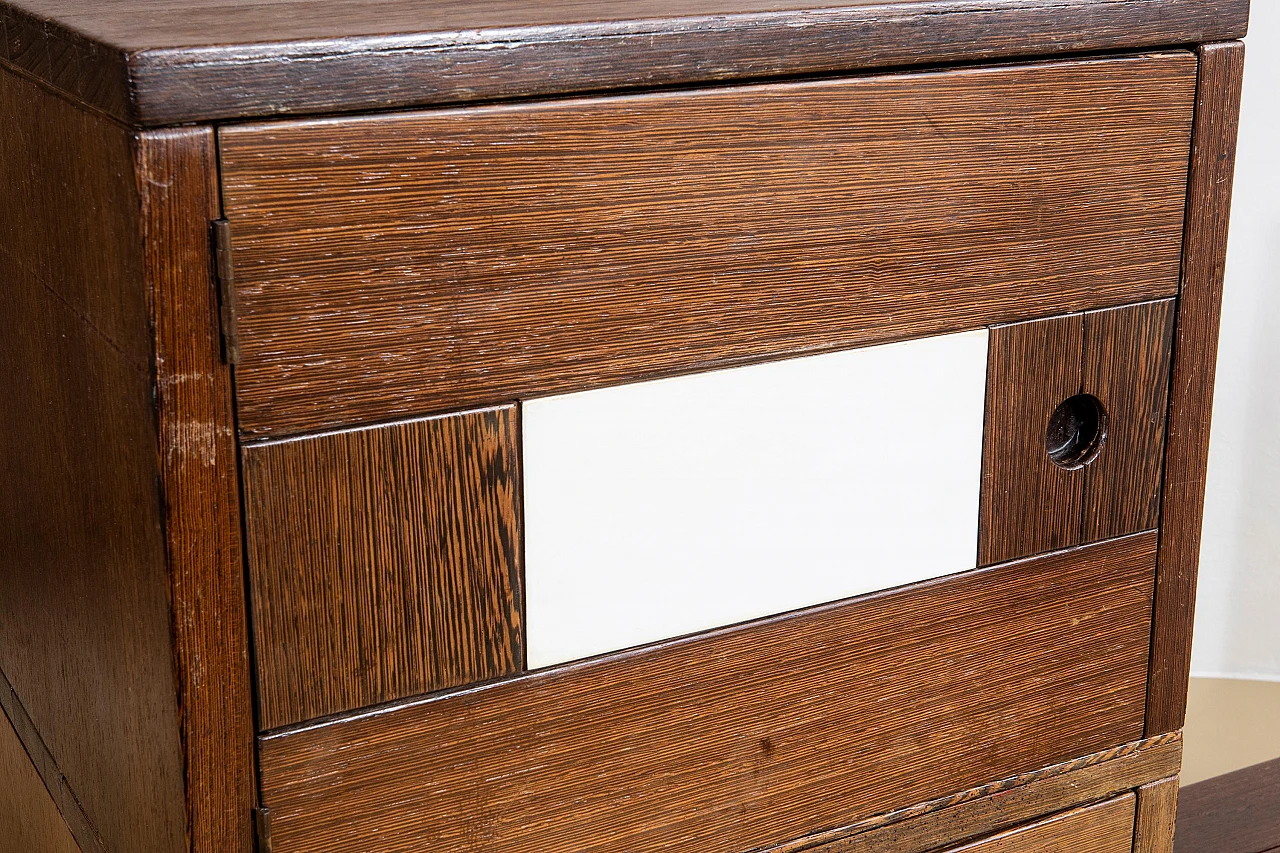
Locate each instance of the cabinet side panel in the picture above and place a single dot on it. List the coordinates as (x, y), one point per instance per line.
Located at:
(178, 184)
(84, 607)
(1191, 392)
(29, 819)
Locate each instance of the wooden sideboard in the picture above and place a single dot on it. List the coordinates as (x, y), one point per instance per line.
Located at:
(708, 427)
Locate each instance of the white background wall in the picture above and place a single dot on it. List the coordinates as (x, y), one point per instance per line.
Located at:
(1238, 607)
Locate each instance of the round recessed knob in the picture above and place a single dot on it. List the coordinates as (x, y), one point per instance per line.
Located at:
(1077, 430)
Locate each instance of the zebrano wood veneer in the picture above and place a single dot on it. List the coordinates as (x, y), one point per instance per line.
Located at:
(583, 428)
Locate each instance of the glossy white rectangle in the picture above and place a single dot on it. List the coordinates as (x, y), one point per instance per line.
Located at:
(665, 508)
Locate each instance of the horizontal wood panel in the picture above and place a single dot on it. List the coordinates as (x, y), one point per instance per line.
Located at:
(745, 737)
(1003, 804)
(693, 491)
(1106, 827)
(383, 562)
(418, 263)
(168, 61)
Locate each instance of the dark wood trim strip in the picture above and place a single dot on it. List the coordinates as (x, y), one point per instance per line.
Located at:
(743, 737)
(1236, 812)
(1003, 804)
(1191, 394)
(1157, 805)
(325, 57)
(82, 829)
(177, 182)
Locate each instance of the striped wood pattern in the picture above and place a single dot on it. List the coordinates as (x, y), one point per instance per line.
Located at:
(743, 737)
(401, 265)
(1191, 390)
(384, 562)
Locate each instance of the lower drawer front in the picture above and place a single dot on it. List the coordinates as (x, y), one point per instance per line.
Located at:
(744, 737)
(1105, 827)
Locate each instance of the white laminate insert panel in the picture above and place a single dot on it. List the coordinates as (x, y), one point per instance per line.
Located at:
(665, 508)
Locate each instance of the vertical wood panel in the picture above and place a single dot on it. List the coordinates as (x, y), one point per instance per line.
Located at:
(1191, 392)
(1157, 808)
(85, 622)
(384, 562)
(1119, 356)
(1029, 504)
(1126, 366)
(177, 180)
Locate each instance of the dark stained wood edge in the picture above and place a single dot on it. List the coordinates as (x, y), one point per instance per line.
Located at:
(177, 181)
(1153, 825)
(166, 84)
(81, 828)
(73, 65)
(1213, 149)
(1002, 804)
(1236, 812)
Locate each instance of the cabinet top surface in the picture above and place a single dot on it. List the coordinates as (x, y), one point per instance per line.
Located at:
(161, 62)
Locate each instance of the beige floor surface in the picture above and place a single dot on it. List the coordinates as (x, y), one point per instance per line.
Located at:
(1231, 723)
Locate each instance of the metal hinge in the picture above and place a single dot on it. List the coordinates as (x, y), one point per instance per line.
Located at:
(226, 290)
(262, 829)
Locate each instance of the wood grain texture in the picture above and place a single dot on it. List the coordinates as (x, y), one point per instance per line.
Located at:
(29, 819)
(744, 737)
(1191, 389)
(177, 181)
(1126, 366)
(1120, 356)
(1105, 827)
(473, 257)
(1028, 504)
(384, 562)
(84, 607)
(1001, 805)
(168, 61)
(68, 806)
(1157, 806)
(1237, 812)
